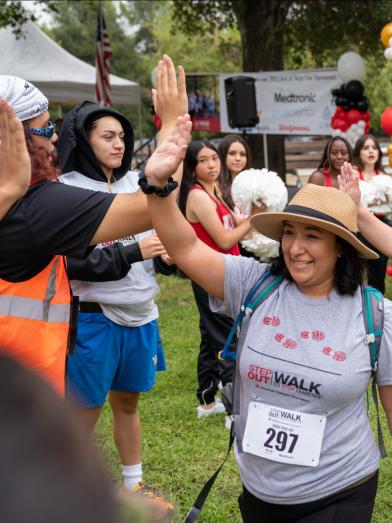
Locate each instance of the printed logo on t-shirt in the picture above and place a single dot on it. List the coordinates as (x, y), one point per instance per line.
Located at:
(127, 240)
(315, 335)
(284, 381)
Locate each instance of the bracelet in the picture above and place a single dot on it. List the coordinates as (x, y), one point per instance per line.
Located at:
(154, 189)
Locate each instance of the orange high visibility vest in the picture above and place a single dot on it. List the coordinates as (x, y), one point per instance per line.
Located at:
(35, 321)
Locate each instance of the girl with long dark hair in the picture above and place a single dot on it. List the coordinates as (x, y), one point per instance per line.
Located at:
(213, 222)
(336, 152)
(235, 157)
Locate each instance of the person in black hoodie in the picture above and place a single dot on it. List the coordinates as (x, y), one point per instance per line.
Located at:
(118, 347)
(52, 220)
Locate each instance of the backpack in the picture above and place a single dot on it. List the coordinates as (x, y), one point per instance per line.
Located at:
(373, 312)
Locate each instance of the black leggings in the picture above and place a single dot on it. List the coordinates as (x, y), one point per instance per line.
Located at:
(214, 329)
(353, 505)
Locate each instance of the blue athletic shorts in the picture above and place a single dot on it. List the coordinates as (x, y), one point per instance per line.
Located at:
(112, 357)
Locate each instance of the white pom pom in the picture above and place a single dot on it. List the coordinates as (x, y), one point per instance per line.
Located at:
(258, 185)
(263, 247)
(377, 194)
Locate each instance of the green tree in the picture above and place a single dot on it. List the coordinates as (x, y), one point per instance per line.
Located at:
(13, 13)
(75, 27)
(318, 30)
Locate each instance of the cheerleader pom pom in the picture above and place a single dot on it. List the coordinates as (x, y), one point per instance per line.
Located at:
(258, 185)
(255, 186)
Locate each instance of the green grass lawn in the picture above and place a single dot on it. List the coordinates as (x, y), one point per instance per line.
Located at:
(180, 452)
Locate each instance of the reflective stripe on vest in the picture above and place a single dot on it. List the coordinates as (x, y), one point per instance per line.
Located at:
(33, 309)
(34, 321)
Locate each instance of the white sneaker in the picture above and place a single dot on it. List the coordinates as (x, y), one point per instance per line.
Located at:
(218, 408)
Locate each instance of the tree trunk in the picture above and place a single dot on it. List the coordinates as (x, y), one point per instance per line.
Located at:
(261, 24)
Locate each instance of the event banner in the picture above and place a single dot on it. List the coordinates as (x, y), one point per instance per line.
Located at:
(289, 102)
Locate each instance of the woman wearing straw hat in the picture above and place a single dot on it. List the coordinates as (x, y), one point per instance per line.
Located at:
(303, 358)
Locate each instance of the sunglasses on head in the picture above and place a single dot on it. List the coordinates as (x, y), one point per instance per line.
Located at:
(45, 132)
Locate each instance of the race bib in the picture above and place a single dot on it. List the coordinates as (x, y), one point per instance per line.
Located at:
(283, 435)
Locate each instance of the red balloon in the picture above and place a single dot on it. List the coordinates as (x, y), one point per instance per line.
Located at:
(389, 270)
(386, 120)
(340, 124)
(339, 110)
(353, 116)
(366, 116)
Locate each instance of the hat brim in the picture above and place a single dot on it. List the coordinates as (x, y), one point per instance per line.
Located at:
(271, 224)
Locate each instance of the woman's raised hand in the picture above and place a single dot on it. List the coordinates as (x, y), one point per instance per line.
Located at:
(167, 157)
(169, 98)
(15, 165)
(348, 181)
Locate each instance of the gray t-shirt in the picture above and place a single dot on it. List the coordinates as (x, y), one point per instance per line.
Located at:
(306, 355)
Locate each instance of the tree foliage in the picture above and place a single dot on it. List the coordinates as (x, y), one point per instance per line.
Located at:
(13, 13)
(298, 33)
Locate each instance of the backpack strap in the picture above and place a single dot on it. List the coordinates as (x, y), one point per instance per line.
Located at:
(373, 315)
(263, 288)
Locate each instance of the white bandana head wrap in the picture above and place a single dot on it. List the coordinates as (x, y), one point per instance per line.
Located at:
(26, 100)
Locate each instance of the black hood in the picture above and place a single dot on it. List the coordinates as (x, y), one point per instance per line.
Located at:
(74, 150)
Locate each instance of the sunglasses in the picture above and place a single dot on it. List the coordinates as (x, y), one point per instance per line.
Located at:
(45, 132)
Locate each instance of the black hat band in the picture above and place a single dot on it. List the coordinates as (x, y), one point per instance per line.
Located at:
(312, 213)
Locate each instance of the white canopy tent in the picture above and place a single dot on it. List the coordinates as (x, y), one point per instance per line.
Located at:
(57, 73)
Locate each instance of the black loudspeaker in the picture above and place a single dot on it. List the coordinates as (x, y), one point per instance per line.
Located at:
(241, 101)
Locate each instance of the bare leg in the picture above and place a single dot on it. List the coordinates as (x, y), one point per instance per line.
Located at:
(126, 426)
(88, 417)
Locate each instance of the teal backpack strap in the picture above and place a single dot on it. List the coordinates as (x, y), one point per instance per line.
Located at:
(260, 291)
(373, 314)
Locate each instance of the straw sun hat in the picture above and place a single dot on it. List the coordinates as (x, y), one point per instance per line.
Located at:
(325, 207)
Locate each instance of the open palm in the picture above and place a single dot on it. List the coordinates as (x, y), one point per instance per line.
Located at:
(15, 164)
(169, 154)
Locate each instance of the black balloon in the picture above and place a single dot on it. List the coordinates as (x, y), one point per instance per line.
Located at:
(354, 90)
(346, 107)
(341, 100)
(362, 105)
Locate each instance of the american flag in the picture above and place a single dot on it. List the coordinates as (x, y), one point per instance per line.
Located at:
(102, 55)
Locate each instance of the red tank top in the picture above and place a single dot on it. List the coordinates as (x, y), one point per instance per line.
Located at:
(327, 177)
(225, 218)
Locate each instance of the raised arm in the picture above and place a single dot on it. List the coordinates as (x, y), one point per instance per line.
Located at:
(204, 265)
(375, 231)
(15, 165)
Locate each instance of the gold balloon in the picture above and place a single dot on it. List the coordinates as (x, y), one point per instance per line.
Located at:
(386, 34)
